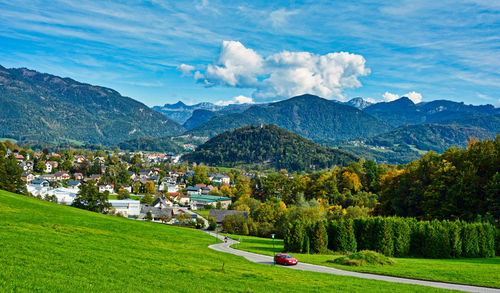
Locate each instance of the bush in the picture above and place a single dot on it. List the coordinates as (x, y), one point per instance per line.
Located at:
(200, 223)
(212, 224)
(341, 236)
(401, 237)
(364, 257)
(470, 243)
(265, 229)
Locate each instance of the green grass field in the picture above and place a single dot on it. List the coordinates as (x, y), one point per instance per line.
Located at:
(204, 213)
(473, 271)
(47, 247)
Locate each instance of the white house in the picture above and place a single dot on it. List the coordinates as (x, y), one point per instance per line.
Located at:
(220, 179)
(184, 199)
(161, 202)
(127, 207)
(106, 187)
(48, 167)
(169, 187)
(64, 195)
(27, 177)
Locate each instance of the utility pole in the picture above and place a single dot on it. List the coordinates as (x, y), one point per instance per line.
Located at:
(274, 259)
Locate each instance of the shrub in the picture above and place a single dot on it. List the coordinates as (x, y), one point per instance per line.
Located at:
(265, 229)
(364, 257)
(486, 240)
(212, 223)
(401, 237)
(455, 239)
(470, 244)
(382, 236)
(200, 223)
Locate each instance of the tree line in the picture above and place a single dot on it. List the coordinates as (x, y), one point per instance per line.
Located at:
(392, 236)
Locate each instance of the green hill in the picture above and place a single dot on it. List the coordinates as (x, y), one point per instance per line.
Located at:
(269, 146)
(39, 107)
(46, 247)
(310, 116)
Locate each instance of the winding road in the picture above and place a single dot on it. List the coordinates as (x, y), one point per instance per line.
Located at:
(268, 260)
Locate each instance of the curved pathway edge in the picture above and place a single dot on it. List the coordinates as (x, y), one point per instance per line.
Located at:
(264, 259)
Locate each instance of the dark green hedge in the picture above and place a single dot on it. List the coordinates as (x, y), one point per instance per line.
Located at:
(394, 236)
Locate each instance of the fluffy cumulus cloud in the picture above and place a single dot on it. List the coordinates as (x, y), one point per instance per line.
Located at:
(285, 74)
(414, 96)
(185, 69)
(236, 100)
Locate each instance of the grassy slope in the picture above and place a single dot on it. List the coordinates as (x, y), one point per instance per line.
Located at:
(204, 213)
(48, 247)
(475, 271)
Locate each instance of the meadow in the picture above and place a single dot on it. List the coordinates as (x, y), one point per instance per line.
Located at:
(49, 247)
(472, 271)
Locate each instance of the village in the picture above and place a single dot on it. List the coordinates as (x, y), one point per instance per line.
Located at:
(155, 187)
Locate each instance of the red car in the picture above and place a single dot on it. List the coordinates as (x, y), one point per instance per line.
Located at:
(285, 259)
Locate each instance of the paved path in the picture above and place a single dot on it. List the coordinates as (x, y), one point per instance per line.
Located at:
(264, 259)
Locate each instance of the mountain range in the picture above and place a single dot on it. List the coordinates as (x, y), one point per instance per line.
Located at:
(404, 111)
(180, 112)
(43, 107)
(40, 107)
(310, 116)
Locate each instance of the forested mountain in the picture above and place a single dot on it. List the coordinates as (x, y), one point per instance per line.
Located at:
(198, 117)
(398, 112)
(43, 107)
(490, 123)
(409, 142)
(164, 145)
(404, 111)
(268, 146)
(307, 115)
(180, 112)
(430, 137)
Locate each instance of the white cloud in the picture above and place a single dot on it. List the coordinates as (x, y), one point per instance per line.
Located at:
(371, 100)
(236, 100)
(279, 17)
(414, 96)
(285, 74)
(389, 97)
(237, 66)
(185, 69)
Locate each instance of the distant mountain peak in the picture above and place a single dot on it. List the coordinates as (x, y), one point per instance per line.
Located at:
(358, 102)
(403, 101)
(178, 104)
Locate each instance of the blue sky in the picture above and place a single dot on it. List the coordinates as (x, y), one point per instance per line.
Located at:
(262, 50)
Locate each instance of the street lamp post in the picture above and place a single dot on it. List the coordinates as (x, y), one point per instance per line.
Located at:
(274, 259)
